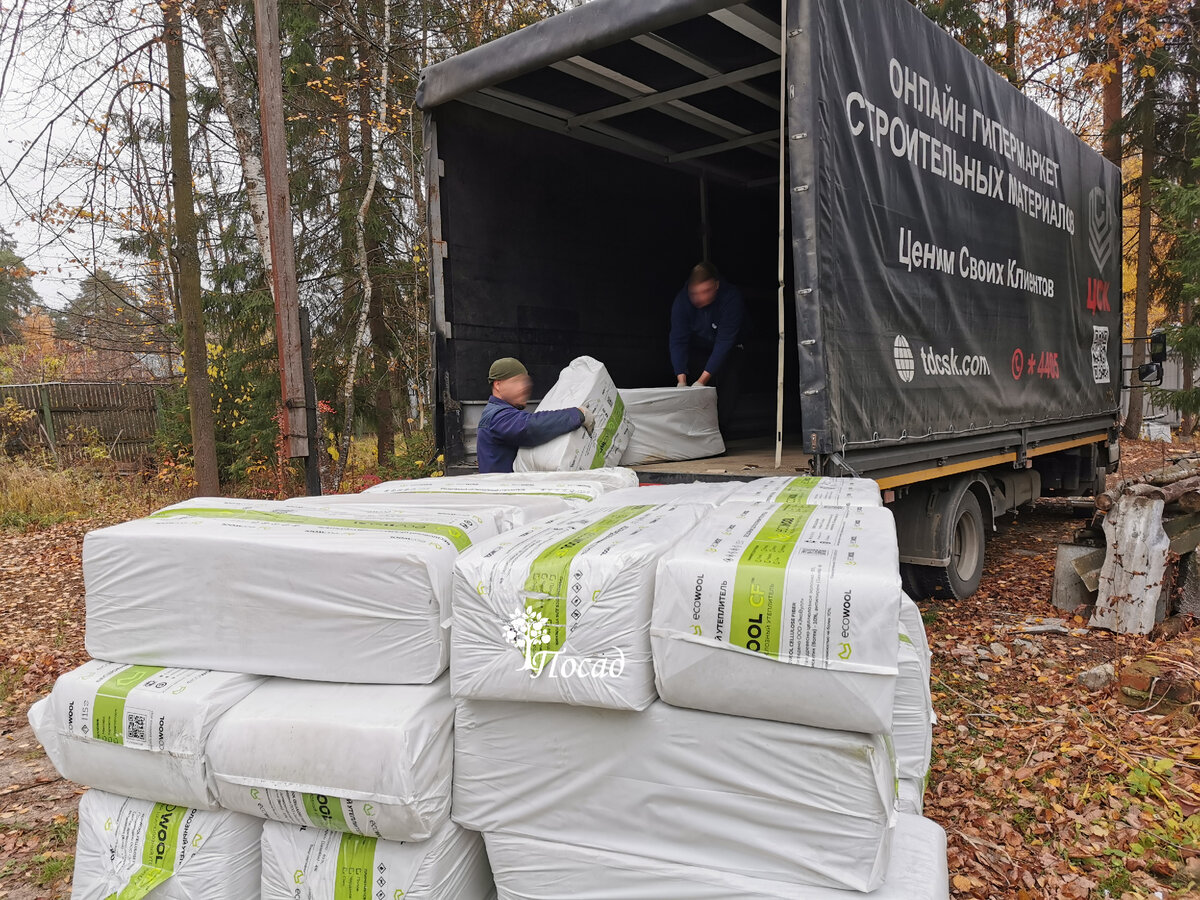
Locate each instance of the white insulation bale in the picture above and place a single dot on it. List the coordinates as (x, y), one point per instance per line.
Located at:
(743, 796)
(349, 593)
(910, 796)
(705, 493)
(782, 612)
(375, 760)
(559, 611)
(808, 491)
(529, 869)
(914, 626)
(508, 511)
(137, 849)
(671, 423)
(574, 488)
(585, 383)
(912, 728)
(141, 731)
(305, 863)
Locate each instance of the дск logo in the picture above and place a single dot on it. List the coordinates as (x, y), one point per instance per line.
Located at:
(1102, 228)
(932, 362)
(528, 630)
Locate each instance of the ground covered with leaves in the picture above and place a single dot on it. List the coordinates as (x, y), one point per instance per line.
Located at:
(1046, 788)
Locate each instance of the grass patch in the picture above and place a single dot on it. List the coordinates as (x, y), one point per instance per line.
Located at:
(33, 495)
(49, 869)
(10, 679)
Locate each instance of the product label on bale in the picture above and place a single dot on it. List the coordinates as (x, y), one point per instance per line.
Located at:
(608, 435)
(134, 706)
(151, 847)
(352, 867)
(544, 581)
(454, 535)
(321, 810)
(814, 586)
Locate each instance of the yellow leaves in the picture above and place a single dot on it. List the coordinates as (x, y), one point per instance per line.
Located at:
(1147, 71)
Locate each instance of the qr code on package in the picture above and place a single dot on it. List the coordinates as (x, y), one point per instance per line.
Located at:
(1100, 372)
(135, 727)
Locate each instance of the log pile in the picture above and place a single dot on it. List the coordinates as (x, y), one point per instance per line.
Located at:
(1147, 568)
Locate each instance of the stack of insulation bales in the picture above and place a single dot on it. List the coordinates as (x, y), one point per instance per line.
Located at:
(281, 662)
(702, 694)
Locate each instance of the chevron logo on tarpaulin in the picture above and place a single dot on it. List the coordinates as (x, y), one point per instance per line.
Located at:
(1102, 228)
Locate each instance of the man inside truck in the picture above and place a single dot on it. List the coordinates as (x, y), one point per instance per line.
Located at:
(706, 326)
(505, 427)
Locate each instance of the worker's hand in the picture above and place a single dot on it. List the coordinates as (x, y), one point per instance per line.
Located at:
(681, 381)
(589, 421)
(703, 380)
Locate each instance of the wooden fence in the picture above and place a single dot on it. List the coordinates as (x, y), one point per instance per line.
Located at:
(72, 416)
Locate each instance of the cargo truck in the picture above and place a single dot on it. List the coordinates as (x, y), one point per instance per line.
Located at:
(931, 262)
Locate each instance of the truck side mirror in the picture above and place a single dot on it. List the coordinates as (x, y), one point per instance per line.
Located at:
(1158, 348)
(1150, 373)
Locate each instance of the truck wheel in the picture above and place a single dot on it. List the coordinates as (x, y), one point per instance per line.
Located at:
(960, 579)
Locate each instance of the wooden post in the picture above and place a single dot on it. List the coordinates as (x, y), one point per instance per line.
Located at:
(279, 215)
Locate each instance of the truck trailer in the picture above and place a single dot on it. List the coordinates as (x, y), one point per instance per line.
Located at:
(931, 262)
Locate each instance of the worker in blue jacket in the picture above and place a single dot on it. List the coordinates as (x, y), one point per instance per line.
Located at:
(706, 326)
(504, 426)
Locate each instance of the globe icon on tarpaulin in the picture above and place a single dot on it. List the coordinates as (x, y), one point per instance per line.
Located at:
(903, 356)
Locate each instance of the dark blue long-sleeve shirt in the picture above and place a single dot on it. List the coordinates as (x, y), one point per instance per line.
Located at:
(714, 328)
(503, 429)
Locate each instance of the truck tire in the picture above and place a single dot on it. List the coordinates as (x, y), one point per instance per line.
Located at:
(959, 579)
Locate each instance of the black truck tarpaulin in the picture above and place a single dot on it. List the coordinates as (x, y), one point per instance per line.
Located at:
(961, 248)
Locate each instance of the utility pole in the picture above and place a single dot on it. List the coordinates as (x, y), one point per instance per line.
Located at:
(283, 252)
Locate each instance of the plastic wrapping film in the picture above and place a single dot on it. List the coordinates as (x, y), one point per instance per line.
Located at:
(140, 731)
(706, 493)
(744, 796)
(339, 593)
(671, 423)
(585, 383)
(305, 863)
(508, 510)
(559, 611)
(807, 490)
(574, 488)
(530, 869)
(136, 849)
(782, 612)
(374, 760)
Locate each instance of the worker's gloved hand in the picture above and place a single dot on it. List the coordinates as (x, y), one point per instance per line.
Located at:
(589, 421)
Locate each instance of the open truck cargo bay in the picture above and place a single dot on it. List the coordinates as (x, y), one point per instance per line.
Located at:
(951, 289)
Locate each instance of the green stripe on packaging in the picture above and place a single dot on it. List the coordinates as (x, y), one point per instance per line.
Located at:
(159, 847)
(609, 434)
(757, 609)
(549, 575)
(798, 490)
(455, 535)
(325, 812)
(355, 868)
(108, 709)
(905, 639)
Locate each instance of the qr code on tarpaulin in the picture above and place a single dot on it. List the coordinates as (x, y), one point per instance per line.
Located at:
(1100, 371)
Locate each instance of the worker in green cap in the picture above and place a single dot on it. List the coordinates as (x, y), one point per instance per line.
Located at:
(505, 426)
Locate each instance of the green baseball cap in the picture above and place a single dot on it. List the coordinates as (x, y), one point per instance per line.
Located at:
(508, 367)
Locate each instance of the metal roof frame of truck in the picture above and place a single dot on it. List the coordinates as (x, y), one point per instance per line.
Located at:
(693, 89)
